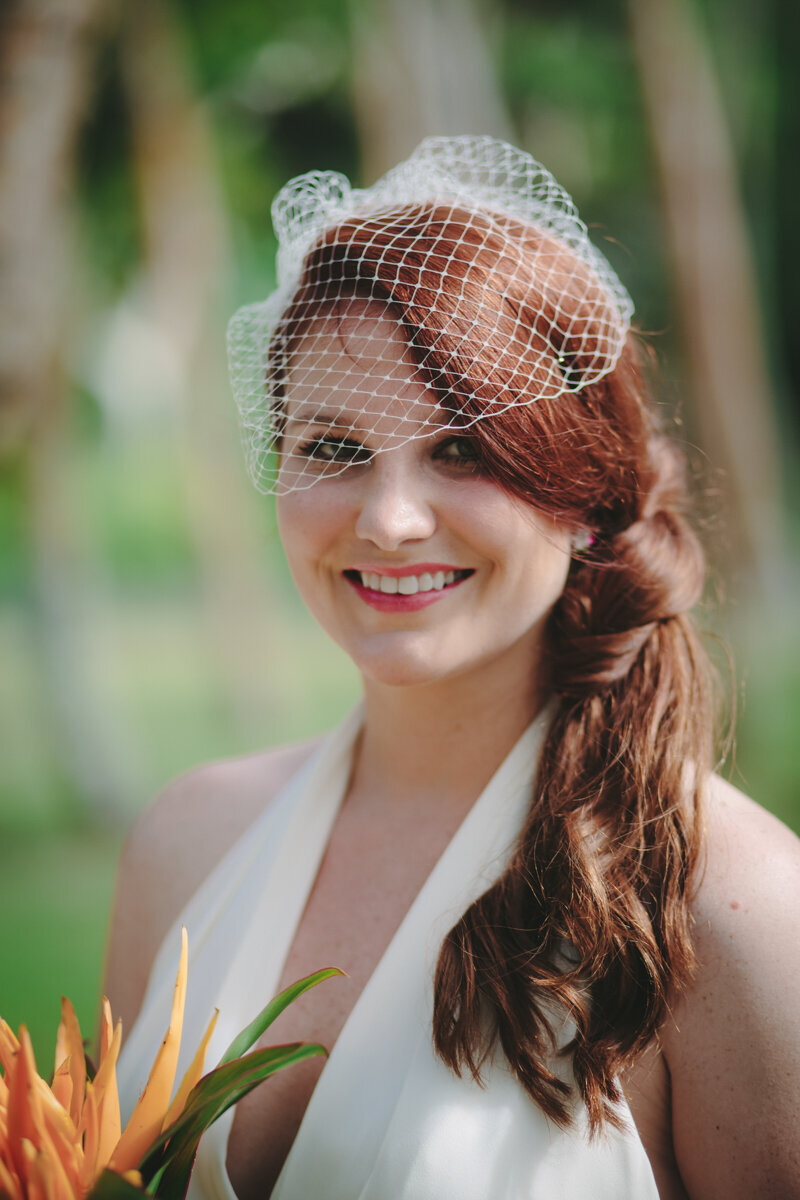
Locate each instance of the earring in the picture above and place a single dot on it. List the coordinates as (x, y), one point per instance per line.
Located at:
(582, 540)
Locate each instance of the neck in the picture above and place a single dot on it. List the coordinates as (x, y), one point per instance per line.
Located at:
(444, 739)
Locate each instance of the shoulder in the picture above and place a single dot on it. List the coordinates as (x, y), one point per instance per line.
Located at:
(203, 812)
(171, 849)
(732, 1043)
(750, 868)
(747, 904)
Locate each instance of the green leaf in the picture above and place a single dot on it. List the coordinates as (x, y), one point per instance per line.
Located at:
(111, 1186)
(249, 1036)
(168, 1162)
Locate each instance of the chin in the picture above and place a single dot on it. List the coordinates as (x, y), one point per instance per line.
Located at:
(409, 666)
(403, 678)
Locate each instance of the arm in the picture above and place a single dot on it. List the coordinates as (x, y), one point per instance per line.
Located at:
(733, 1044)
(171, 850)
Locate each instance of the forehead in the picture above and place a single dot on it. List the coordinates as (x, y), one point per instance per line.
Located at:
(351, 360)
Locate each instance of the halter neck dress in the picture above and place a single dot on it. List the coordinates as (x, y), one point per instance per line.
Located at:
(387, 1119)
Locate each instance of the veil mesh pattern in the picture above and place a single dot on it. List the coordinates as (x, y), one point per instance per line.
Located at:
(477, 255)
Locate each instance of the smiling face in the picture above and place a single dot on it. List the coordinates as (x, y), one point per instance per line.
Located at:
(418, 565)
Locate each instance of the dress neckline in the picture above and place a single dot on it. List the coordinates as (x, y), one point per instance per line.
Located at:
(322, 790)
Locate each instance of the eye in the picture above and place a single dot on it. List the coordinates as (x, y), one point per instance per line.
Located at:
(334, 450)
(463, 452)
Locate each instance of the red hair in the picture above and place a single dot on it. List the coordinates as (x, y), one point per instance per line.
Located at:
(605, 862)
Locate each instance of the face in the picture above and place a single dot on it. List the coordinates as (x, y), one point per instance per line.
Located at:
(418, 565)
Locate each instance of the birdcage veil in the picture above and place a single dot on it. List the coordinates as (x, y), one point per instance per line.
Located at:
(477, 254)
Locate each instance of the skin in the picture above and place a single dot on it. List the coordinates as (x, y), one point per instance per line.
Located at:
(717, 1098)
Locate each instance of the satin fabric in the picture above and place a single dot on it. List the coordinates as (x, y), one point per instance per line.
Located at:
(387, 1120)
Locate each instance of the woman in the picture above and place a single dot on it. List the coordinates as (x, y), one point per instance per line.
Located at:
(572, 966)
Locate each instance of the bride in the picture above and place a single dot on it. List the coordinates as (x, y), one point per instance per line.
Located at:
(571, 952)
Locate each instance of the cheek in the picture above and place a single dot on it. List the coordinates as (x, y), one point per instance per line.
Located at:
(518, 538)
(303, 526)
(314, 525)
(551, 576)
(308, 523)
(538, 585)
(536, 559)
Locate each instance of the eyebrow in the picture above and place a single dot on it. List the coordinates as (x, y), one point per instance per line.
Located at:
(309, 414)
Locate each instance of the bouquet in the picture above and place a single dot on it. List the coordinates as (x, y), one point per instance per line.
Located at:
(63, 1140)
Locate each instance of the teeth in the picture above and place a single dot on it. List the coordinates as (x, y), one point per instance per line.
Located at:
(407, 585)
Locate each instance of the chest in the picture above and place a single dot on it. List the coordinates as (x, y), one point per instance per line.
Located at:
(369, 877)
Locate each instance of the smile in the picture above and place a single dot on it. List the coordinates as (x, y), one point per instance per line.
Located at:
(398, 592)
(409, 585)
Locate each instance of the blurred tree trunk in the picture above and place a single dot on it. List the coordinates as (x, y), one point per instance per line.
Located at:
(47, 52)
(714, 278)
(421, 67)
(187, 268)
(47, 56)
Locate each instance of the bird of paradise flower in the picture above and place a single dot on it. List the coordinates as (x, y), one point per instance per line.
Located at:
(64, 1140)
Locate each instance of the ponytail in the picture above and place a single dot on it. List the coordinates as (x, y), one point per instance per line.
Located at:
(604, 864)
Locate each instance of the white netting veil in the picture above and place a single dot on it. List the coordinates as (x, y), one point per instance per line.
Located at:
(461, 283)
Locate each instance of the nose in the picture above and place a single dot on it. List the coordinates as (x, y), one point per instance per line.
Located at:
(395, 507)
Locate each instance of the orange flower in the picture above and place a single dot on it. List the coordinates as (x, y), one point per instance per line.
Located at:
(56, 1140)
(64, 1142)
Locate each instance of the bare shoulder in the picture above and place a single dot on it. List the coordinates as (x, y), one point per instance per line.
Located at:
(200, 815)
(171, 849)
(751, 871)
(733, 1042)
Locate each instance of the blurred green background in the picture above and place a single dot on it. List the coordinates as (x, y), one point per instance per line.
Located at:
(147, 621)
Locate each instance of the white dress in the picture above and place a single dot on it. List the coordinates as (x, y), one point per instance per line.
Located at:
(387, 1119)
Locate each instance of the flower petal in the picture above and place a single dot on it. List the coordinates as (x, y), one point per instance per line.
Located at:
(69, 1045)
(61, 1086)
(105, 1087)
(90, 1128)
(9, 1047)
(10, 1185)
(148, 1115)
(22, 1125)
(106, 1028)
(192, 1076)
